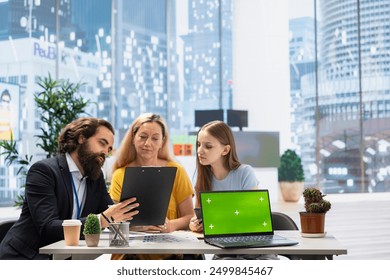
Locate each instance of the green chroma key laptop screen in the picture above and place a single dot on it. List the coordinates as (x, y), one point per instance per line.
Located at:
(236, 212)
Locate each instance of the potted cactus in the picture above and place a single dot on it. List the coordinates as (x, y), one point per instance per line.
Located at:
(313, 219)
(92, 230)
(291, 176)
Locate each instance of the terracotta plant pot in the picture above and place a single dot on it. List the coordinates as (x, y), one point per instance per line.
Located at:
(312, 222)
(92, 240)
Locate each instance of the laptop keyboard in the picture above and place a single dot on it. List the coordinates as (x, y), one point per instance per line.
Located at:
(249, 238)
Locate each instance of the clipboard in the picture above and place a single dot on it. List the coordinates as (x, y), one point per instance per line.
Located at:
(152, 186)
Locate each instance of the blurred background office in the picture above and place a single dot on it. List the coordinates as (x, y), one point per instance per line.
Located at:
(313, 74)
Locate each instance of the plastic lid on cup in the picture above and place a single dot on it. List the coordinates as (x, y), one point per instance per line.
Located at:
(67, 223)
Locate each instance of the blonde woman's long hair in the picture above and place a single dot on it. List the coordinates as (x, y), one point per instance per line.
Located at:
(126, 152)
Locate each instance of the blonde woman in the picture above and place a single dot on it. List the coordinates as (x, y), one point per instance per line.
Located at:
(146, 144)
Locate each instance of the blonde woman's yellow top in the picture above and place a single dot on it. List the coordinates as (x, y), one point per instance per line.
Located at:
(182, 188)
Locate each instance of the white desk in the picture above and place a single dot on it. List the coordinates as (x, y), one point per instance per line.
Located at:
(308, 248)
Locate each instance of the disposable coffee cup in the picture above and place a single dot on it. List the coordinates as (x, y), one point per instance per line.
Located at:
(72, 229)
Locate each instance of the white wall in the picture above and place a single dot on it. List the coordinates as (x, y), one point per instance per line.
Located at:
(261, 72)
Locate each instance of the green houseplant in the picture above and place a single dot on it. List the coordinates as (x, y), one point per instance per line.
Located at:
(291, 176)
(59, 103)
(313, 219)
(92, 230)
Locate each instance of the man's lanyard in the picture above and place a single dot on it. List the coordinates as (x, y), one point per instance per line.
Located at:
(77, 198)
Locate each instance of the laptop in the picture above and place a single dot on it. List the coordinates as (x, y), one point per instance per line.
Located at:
(239, 219)
(152, 186)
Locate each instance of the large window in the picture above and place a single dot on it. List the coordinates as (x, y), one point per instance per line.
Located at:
(344, 95)
(167, 57)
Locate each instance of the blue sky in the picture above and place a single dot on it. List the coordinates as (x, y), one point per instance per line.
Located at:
(301, 8)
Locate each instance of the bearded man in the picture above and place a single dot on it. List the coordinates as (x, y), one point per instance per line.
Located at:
(67, 186)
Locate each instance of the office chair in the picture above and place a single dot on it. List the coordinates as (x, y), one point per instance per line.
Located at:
(4, 227)
(281, 221)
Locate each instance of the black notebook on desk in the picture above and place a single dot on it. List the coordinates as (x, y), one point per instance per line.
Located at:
(152, 186)
(239, 219)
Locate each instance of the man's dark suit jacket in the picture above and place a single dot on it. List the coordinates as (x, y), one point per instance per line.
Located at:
(49, 201)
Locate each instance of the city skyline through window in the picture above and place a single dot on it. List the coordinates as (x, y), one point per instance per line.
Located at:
(176, 57)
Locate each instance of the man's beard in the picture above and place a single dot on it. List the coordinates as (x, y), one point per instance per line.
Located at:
(90, 161)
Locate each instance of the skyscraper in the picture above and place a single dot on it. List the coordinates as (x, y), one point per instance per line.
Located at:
(33, 18)
(302, 63)
(208, 56)
(353, 96)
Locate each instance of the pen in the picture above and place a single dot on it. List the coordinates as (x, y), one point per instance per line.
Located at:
(107, 219)
(118, 232)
